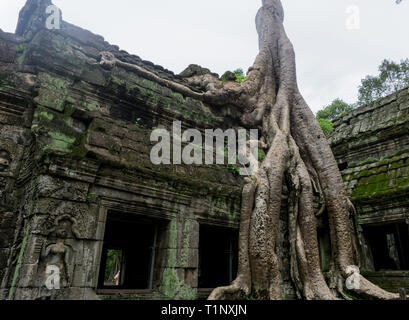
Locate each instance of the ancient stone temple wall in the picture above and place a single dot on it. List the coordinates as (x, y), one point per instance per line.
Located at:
(16, 143)
(77, 183)
(75, 152)
(371, 145)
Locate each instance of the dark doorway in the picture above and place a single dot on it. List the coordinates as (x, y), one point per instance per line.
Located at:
(324, 242)
(342, 166)
(129, 252)
(389, 245)
(218, 256)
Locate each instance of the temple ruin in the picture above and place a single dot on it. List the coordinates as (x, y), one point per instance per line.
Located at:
(78, 189)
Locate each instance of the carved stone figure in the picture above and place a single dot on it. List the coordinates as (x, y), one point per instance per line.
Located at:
(4, 160)
(57, 254)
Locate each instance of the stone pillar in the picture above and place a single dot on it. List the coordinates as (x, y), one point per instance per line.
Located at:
(366, 252)
(190, 252)
(180, 253)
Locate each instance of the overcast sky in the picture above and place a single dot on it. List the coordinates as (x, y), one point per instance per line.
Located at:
(221, 35)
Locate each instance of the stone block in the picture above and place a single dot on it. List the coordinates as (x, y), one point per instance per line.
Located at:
(28, 275)
(52, 187)
(189, 258)
(35, 245)
(191, 277)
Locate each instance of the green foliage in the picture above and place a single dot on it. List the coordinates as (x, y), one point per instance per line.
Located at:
(240, 77)
(90, 195)
(336, 108)
(228, 76)
(326, 126)
(237, 75)
(261, 155)
(113, 264)
(234, 170)
(329, 113)
(20, 48)
(391, 78)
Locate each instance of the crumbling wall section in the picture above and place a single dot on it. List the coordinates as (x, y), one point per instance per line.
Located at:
(371, 145)
(75, 145)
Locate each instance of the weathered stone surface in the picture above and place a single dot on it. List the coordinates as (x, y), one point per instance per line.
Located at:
(75, 145)
(52, 187)
(375, 159)
(371, 145)
(195, 70)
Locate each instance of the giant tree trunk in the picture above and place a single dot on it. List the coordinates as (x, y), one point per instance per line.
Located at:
(299, 156)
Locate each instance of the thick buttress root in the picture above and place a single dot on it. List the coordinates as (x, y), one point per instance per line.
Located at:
(242, 285)
(299, 156)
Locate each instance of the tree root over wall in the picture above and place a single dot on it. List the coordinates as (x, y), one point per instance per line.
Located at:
(299, 156)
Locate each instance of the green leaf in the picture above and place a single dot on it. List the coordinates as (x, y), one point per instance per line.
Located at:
(326, 126)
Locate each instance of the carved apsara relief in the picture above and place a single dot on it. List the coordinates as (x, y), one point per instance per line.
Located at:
(4, 160)
(58, 253)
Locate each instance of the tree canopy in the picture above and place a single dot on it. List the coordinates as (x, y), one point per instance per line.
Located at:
(329, 113)
(391, 78)
(337, 107)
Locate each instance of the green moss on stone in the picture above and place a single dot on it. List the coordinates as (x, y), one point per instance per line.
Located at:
(53, 92)
(175, 288)
(60, 142)
(186, 243)
(43, 115)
